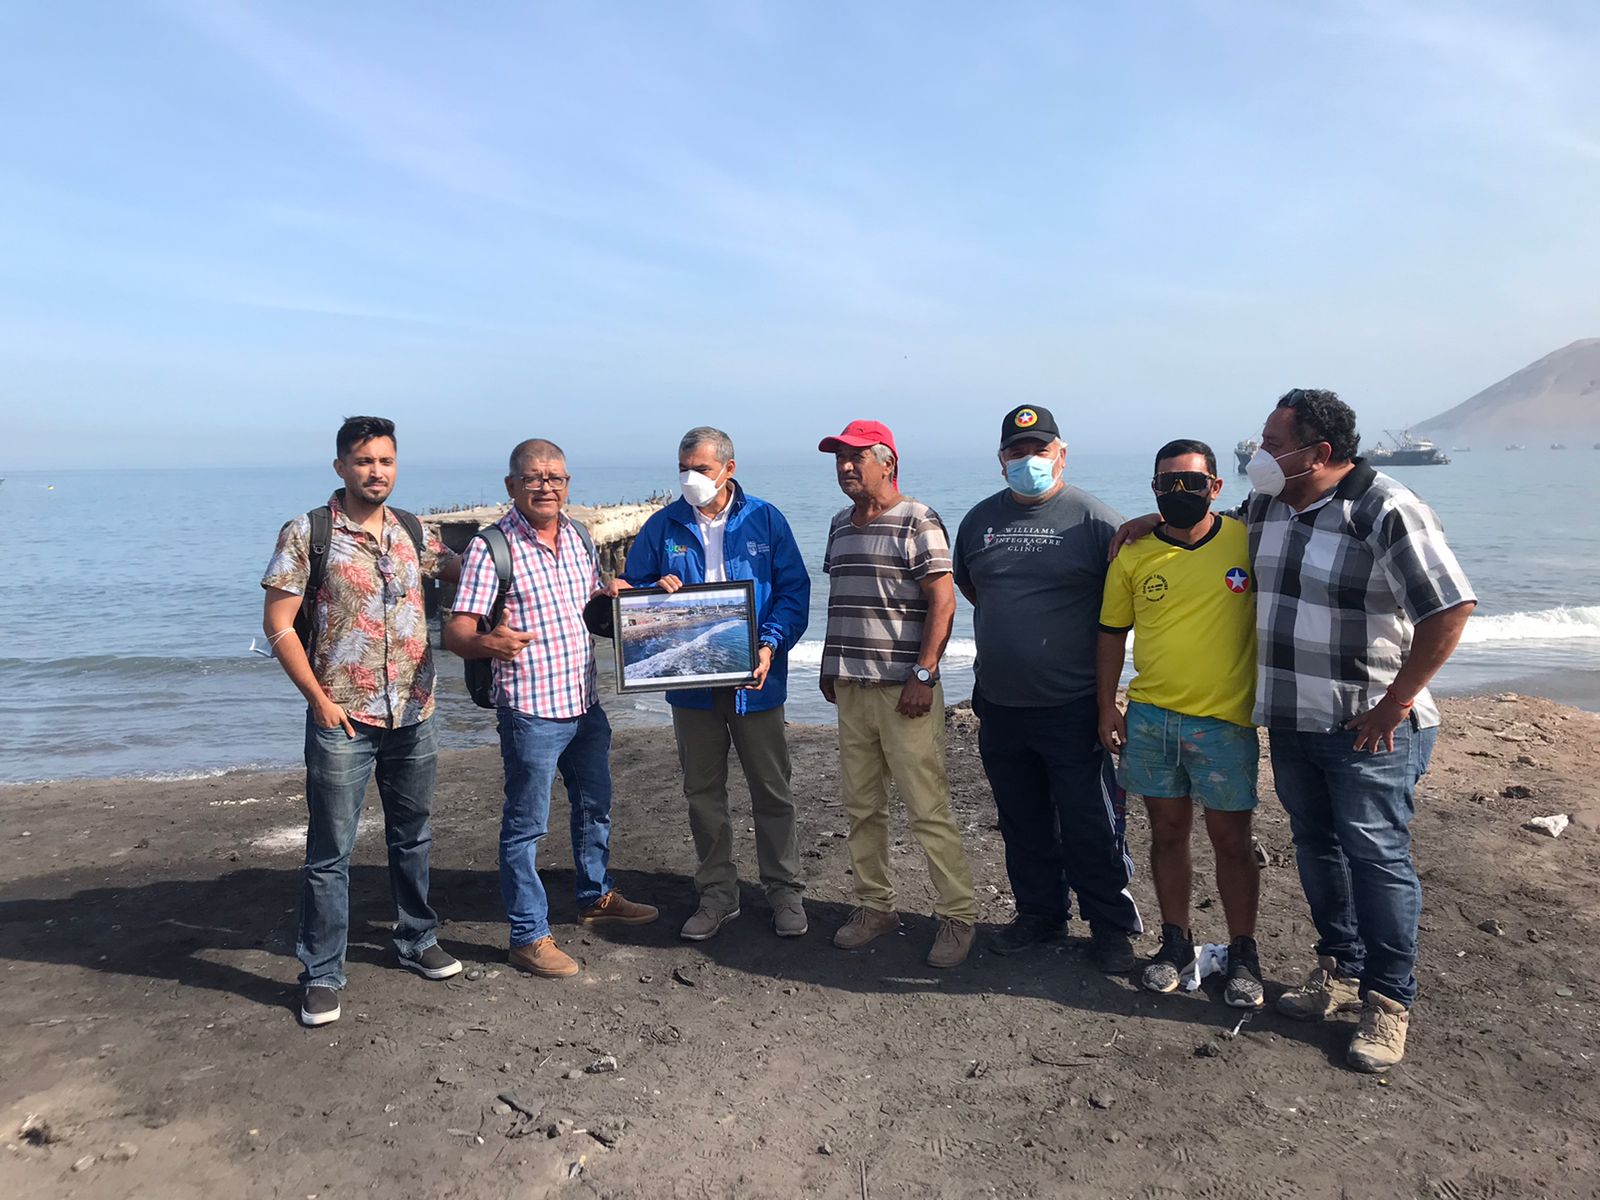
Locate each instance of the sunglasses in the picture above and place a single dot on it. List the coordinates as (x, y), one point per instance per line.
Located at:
(1181, 481)
(386, 568)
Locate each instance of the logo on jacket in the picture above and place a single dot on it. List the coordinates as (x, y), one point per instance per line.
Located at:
(755, 549)
(1025, 418)
(1237, 580)
(676, 548)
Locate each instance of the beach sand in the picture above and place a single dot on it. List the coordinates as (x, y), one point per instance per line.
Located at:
(151, 1050)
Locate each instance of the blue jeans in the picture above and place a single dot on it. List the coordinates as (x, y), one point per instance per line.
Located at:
(1350, 812)
(337, 770)
(533, 750)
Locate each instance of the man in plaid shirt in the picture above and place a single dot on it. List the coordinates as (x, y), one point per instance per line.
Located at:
(548, 707)
(1359, 601)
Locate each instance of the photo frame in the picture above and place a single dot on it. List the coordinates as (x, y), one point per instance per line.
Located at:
(702, 635)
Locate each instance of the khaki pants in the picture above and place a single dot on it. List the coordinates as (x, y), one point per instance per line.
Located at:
(875, 744)
(703, 740)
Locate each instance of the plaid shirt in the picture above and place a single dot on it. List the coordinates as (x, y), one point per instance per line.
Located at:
(1339, 589)
(371, 655)
(554, 676)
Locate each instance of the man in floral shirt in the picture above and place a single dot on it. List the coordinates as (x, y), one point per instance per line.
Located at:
(368, 682)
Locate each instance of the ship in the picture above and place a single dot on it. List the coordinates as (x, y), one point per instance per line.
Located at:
(1244, 452)
(1515, 446)
(1407, 450)
(1558, 445)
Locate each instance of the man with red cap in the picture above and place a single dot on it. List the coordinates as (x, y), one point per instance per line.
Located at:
(891, 605)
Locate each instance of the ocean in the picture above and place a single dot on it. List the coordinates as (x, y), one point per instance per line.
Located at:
(131, 597)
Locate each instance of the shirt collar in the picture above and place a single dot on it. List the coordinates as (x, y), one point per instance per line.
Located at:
(521, 524)
(340, 517)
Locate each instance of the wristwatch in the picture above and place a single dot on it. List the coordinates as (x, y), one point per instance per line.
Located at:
(924, 676)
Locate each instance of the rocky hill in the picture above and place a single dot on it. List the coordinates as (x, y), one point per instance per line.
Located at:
(1556, 398)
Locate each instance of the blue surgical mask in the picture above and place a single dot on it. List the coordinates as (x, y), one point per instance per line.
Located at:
(1031, 476)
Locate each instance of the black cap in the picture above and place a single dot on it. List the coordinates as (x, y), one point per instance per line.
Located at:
(1028, 421)
(597, 615)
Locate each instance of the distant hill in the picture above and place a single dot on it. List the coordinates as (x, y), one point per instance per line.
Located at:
(1554, 399)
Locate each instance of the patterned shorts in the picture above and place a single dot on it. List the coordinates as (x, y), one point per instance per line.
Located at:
(1168, 754)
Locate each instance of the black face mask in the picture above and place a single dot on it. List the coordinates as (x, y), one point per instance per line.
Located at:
(1183, 510)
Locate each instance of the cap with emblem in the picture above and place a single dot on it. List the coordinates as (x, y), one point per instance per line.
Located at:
(1028, 421)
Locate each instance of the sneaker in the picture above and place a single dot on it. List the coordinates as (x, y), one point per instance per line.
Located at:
(864, 925)
(1026, 932)
(1177, 952)
(616, 909)
(543, 958)
(1324, 993)
(1244, 988)
(319, 1005)
(1112, 951)
(433, 963)
(1380, 1040)
(952, 943)
(789, 918)
(706, 923)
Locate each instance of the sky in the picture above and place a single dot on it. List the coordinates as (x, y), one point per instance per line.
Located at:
(224, 226)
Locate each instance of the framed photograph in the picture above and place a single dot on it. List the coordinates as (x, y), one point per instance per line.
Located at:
(703, 635)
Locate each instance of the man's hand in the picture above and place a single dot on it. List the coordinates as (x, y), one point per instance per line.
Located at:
(504, 642)
(669, 583)
(826, 683)
(763, 665)
(1375, 727)
(328, 715)
(915, 699)
(1113, 730)
(616, 587)
(1133, 530)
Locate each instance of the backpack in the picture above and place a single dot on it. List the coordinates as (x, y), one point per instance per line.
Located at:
(480, 671)
(305, 621)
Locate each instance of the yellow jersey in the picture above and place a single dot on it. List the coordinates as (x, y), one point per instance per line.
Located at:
(1192, 612)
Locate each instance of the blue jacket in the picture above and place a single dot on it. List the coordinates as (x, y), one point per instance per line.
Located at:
(756, 545)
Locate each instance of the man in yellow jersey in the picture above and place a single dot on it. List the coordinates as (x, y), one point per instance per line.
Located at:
(1187, 738)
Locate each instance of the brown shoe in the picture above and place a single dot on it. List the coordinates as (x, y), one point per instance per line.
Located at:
(864, 925)
(616, 909)
(952, 943)
(1380, 1040)
(1324, 993)
(543, 958)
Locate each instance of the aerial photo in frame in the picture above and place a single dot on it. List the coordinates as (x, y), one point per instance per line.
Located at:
(702, 635)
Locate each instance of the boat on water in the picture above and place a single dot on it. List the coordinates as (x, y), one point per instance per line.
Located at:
(1515, 446)
(1558, 445)
(1407, 450)
(1245, 451)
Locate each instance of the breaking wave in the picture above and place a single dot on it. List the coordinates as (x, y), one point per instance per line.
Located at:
(1547, 625)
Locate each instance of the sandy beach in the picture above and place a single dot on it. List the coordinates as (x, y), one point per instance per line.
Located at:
(152, 1050)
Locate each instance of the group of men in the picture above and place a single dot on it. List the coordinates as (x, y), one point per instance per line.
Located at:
(1318, 609)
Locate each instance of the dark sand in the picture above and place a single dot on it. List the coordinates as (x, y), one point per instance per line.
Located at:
(148, 1001)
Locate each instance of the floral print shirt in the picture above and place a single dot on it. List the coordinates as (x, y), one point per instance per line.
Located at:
(372, 655)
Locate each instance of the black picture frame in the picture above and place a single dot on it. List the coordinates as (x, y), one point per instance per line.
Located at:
(701, 636)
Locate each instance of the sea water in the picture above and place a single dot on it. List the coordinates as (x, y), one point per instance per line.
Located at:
(129, 599)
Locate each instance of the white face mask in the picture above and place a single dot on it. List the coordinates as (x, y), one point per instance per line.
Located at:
(697, 489)
(1266, 476)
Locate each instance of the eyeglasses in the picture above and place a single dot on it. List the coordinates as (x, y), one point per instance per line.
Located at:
(1181, 481)
(386, 568)
(543, 483)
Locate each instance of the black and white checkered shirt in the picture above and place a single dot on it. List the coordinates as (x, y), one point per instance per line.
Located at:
(1339, 588)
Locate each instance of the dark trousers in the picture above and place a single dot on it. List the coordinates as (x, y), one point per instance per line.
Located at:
(1061, 812)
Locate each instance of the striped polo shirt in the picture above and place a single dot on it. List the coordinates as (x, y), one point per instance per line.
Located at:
(876, 609)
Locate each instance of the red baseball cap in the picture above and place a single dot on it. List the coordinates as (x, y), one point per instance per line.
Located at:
(858, 434)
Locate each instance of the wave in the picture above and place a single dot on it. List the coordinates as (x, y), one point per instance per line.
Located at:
(1547, 625)
(960, 652)
(138, 666)
(687, 659)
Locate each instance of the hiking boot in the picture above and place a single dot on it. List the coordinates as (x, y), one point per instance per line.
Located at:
(952, 943)
(864, 925)
(1025, 932)
(319, 1005)
(1161, 973)
(1324, 993)
(543, 958)
(432, 963)
(1380, 1040)
(1244, 988)
(706, 923)
(789, 918)
(616, 909)
(1112, 951)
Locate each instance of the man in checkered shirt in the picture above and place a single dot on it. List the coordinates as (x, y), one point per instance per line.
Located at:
(1359, 601)
(547, 705)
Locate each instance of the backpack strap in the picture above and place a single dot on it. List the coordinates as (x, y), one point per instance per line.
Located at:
(305, 622)
(413, 527)
(588, 542)
(494, 537)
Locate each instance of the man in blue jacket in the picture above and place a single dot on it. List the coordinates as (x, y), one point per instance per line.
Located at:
(716, 534)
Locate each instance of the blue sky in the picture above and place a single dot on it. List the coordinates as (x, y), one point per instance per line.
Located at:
(223, 226)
